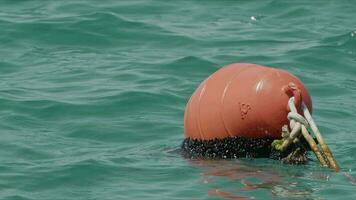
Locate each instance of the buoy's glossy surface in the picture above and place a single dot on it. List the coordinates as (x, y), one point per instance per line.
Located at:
(244, 100)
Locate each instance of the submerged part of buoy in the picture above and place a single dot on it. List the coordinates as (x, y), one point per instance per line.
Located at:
(243, 100)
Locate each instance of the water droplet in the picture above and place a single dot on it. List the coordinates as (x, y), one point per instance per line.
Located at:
(253, 18)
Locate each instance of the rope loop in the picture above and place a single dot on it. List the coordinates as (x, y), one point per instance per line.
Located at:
(298, 118)
(298, 126)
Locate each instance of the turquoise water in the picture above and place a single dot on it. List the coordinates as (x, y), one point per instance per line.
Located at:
(92, 95)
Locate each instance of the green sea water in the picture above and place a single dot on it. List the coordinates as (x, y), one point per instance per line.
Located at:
(92, 95)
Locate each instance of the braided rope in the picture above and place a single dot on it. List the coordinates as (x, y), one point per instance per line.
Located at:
(299, 125)
(295, 122)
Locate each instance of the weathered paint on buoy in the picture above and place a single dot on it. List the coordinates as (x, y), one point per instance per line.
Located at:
(243, 100)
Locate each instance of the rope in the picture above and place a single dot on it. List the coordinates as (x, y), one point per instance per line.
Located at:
(297, 117)
(295, 124)
(325, 148)
(299, 125)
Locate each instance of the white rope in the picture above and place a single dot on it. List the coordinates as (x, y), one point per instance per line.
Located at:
(296, 122)
(324, 147)
(313, 126)
(299, 125)
(297, 117)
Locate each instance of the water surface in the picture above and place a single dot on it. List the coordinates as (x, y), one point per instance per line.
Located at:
(92, 95)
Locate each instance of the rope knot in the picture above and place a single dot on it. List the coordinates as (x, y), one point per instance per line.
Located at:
(293, 91)
(298, 118)
(299, 124)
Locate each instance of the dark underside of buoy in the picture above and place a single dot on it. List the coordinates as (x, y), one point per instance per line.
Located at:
(239, 147)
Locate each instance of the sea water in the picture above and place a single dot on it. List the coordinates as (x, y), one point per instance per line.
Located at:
(92, 95)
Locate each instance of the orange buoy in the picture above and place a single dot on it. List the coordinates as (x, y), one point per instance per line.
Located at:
(243, 100)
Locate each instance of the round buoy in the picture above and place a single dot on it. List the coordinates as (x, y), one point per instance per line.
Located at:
(243, 100)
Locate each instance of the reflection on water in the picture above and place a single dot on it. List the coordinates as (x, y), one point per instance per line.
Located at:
(252, 177)
(350, 178)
